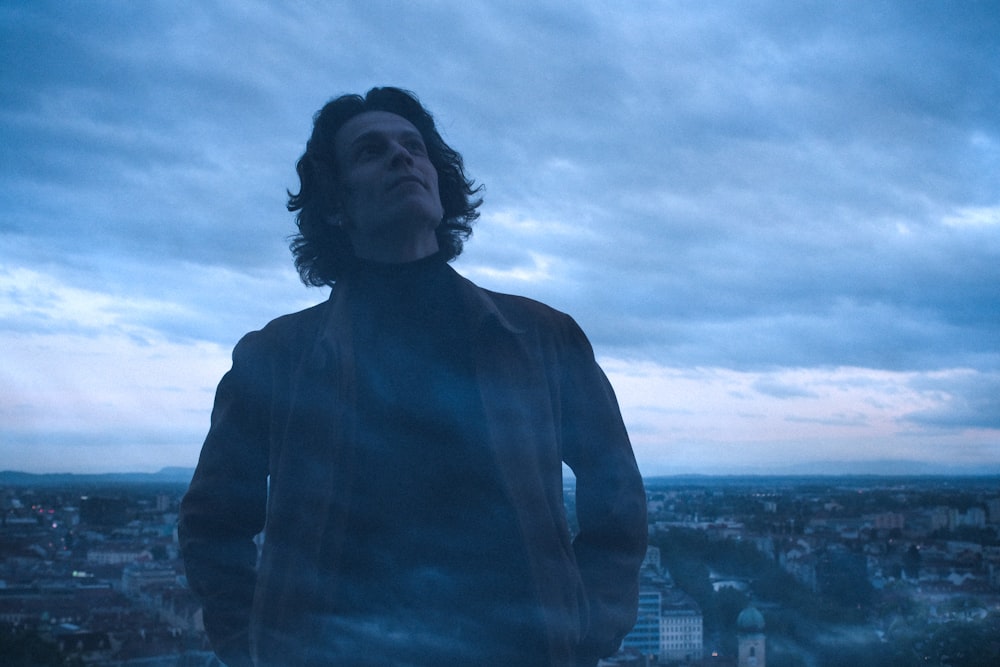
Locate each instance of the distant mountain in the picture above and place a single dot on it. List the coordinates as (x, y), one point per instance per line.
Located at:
(888, 468)
(882, 468)
(173, 475)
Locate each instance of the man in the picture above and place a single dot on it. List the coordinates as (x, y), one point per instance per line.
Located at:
(400, 446)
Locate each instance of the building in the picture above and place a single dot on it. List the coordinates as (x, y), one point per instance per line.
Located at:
(118, 555)
(645, 634)
(750, 636)
(669, 625)
(681, 629)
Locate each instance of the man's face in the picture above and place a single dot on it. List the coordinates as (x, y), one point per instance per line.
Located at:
(390, 193)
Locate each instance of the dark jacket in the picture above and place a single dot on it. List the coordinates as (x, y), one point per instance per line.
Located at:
(279, 456)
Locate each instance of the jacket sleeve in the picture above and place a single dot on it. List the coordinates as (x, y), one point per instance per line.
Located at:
(224, 508)
(610, 498)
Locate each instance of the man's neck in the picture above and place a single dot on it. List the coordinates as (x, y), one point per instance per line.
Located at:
(396, 251)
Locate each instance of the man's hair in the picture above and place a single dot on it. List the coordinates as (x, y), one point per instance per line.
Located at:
(322, 249)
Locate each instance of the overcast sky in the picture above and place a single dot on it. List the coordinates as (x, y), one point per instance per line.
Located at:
(778, 222)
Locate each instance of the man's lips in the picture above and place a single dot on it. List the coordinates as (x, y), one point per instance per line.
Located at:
(406, 179)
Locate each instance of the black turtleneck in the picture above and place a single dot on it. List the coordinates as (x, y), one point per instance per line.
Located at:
(432, 541)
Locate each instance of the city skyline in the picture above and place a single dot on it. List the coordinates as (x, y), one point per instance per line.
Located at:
(861, 571)
(778, 224)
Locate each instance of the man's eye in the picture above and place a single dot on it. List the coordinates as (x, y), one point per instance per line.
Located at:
(416, 147)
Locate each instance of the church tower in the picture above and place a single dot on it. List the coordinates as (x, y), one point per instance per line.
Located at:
(750, 633)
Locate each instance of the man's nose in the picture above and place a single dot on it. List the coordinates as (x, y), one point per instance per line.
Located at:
(399, 154)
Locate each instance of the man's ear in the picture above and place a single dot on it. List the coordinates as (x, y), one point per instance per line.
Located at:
(336, 196)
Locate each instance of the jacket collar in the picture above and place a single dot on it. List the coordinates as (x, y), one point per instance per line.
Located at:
(482, 307)
(479, 303)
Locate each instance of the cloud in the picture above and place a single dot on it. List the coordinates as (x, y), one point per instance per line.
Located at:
(108, 402)
(683, 419)
(770, 387)
(764, 189)
(983, 216)
(965, 400)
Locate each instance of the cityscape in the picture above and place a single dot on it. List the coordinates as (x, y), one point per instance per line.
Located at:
(809, 571)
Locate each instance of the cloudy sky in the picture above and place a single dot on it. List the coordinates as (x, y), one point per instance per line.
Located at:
(778, 222)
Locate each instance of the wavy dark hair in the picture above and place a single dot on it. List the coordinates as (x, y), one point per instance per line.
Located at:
(322, 250)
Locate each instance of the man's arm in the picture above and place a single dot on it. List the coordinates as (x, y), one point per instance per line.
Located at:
(224, 508)
(610, 499)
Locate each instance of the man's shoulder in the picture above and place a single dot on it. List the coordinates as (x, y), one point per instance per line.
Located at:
(286, 330)
(517, 305)
(292, 322)
(524, 313)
